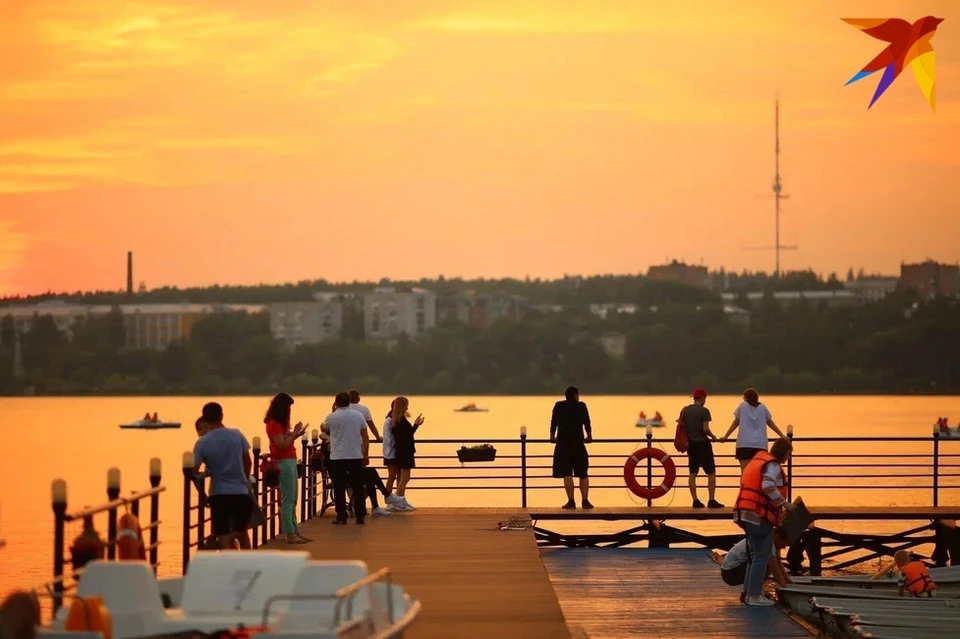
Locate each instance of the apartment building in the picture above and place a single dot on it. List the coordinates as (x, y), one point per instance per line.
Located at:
(931, 279)
(390, 311)
(296, 323)
(480, 309)
(872, 289)
(148, 326)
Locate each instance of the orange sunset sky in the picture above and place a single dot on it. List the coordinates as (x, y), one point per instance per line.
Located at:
(239, 141)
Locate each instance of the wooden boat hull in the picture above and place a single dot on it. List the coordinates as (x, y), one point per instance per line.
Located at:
(642, 423)
(142, 425)
(471, 410)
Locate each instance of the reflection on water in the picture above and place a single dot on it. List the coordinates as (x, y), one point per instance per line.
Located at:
(79, 439)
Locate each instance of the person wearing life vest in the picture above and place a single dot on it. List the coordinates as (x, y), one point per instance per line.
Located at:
(758, 510)
(916, 577)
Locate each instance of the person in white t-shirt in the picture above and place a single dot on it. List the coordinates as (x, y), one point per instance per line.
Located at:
(390, 461)
(363, 410)
(349, 455)
(752, 418)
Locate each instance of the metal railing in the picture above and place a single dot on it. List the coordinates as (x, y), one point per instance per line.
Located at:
(60, 586)
(926, 467)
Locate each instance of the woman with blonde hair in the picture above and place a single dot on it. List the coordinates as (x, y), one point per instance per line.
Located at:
(404, 448)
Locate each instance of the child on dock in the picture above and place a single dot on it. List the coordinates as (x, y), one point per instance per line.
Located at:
(915, 579)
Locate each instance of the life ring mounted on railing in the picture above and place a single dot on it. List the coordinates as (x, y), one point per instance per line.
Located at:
(649, 492)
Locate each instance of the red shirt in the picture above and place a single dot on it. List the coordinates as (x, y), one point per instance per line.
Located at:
(276, 428)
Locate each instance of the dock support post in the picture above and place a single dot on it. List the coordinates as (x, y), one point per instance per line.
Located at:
(58, 490)
(814, 545)
(946, 542)
(255, 536)
(187, 488)
(113, 492)
(303, 479)
(523, 466)
(789, 477)
(155, 468)
(936, 465)
(650, 468)
(312, 484)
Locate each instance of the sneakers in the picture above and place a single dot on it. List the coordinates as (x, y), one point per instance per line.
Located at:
(570, 505)
(380, 512)
(760, 601)
(698, 504)
(393, 498)
(400, 504)
(713, 503)
(587, 505)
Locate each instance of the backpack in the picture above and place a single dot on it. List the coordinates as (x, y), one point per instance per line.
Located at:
(681, 441)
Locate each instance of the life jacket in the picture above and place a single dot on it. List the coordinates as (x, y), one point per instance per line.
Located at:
(917, 578)
(752, 496)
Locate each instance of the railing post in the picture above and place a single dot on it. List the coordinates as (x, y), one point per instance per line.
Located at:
(649, 462)
(523, 466)
(187, 490)
(936, 465)
(113, 492)
(789, 476)
(255, 536)
(303, 480)
(155, 467)
(315, 441)
(58, 491)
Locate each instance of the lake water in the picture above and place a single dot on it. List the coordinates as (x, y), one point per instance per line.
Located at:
(78, 439)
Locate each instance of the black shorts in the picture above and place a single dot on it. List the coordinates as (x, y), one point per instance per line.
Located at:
(570, 460)
(700, 456)
(735, 576)
(389, 462)
(230, 513)
(746, 454)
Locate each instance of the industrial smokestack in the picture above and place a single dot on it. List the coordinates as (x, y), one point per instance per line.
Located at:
(129, 273)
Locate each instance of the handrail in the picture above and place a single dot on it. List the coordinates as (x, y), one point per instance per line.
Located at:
(347, 593)
(113, 505)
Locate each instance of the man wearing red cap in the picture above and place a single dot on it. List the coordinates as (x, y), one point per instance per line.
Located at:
(696, 420)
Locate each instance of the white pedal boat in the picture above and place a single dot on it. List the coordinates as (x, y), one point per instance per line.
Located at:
(293, 596)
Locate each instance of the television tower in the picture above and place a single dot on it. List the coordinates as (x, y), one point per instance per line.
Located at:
(778, 193)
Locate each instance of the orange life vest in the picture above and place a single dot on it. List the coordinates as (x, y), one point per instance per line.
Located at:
(917, 578)
(752, 497)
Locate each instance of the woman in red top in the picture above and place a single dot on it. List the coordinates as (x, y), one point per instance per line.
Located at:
(283, 448)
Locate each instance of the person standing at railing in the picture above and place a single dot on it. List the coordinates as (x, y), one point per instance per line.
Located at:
(349, 455)
(696, 421)
(390, 453)
(283, 448)
(405, 449)
(225, 453)
(752, 418)
(568, 422)
(363, 410)
(758, 509)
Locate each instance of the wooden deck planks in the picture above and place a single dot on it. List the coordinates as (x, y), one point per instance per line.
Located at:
(473, 579)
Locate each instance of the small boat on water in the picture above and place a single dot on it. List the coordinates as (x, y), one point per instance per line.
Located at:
(150, 422)
(656, 421)
(266, 594)
(947, 431)
(470, 408)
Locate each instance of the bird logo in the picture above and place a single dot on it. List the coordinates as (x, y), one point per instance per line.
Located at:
(908, 44)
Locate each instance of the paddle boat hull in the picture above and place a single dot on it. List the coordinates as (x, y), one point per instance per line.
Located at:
(143, 424)
(655, 423)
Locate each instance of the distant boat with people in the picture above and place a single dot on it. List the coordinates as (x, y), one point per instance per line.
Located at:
(946, 430)
(150, 422)
(656, 421)
(470, 408)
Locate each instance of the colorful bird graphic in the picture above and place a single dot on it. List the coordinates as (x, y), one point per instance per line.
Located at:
(909, 44)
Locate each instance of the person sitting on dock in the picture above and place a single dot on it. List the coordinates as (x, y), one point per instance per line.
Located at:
(757, 511)
(570, 458)
(226, 454)
(733, 568)
(696, 420)
(916, 577)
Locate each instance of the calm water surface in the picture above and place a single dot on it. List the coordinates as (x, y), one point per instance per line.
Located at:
(78, 439)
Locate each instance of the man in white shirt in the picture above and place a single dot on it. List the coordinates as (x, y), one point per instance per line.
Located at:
(363, 410)
(349, 454)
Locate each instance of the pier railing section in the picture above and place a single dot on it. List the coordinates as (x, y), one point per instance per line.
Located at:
(89, 543)
(897, 471)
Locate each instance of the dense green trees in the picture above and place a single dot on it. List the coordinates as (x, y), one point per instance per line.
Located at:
(896, 346)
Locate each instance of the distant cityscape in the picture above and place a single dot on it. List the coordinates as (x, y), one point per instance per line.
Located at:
(389, 312)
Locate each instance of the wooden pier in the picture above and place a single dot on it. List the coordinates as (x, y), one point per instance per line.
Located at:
(473, 579)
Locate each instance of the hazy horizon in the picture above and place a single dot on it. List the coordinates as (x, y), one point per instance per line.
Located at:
(230, 142)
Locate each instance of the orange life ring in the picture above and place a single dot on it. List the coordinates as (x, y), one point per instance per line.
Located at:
(649, 492)
(130, 538)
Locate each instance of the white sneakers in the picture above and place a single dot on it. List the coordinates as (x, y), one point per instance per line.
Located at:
(380, 512)
(759, 601)
(398, 503)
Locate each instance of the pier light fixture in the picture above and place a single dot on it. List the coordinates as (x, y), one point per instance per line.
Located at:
(936, 430)
(789, 430)
(315, 434)
(649, 431)
(303, 437)
(188, 459)
(256, 443)
(523, 431)
(155, 466)
(58, 491)
(113, 478)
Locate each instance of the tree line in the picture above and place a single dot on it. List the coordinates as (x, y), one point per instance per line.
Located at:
(899, 345)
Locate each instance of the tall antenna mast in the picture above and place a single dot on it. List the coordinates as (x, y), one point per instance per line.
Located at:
(778, 193)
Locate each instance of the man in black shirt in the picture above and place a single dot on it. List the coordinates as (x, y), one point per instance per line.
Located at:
(570, 459)
(696, 420)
